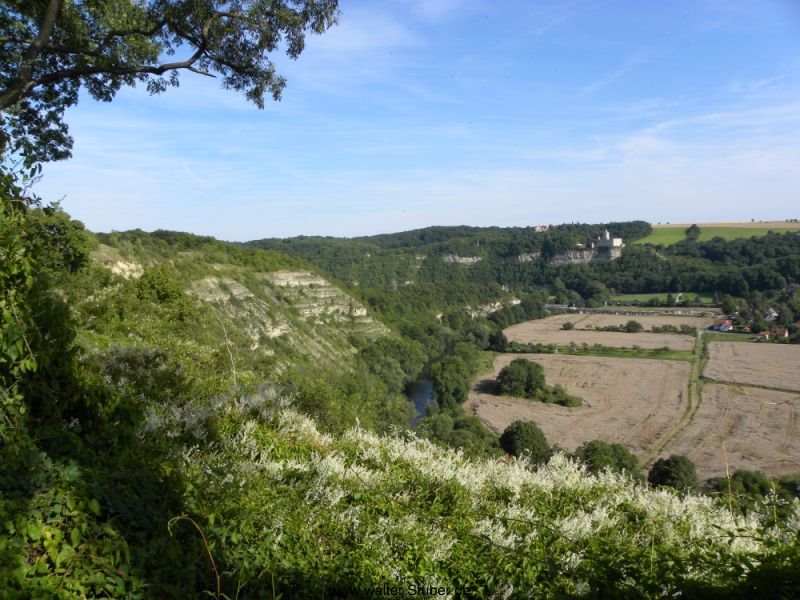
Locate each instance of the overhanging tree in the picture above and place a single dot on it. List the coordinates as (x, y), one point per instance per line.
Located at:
(50, 49)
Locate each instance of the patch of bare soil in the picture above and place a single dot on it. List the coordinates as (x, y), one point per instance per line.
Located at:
(758, 429)
(770, 365)
(629, 401)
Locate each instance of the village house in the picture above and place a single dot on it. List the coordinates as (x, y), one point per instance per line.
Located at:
(780, 333)
(722, 325)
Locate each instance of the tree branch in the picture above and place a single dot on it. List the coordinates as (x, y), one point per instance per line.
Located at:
(188, 64)
(25, 79)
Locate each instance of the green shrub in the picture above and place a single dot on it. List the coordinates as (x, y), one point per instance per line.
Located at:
(677, 472)
(524, 438)
(598, 455)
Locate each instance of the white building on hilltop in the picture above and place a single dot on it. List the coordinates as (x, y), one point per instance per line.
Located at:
(610, 246)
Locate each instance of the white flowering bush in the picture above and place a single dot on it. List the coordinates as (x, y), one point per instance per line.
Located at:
(290, 510)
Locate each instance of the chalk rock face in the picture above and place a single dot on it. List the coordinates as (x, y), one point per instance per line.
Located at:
(461, 260)
(129, 270)
(582, 257)
(314, 296)
(529, 257)
(574, 257)
(298, 308)
(111, 259)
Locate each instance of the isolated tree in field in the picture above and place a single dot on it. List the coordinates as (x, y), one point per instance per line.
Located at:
(521, 378)
(598, 456)
(52, 48)
(677, 472)
(524, 438)
(693, 232)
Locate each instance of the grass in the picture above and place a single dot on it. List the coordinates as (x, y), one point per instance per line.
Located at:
(656, 353)
(662, 297)
(728, 337)
(665, 236)
(669, 235)
(735, 233)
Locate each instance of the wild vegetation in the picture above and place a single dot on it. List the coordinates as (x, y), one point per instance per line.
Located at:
(183, 417)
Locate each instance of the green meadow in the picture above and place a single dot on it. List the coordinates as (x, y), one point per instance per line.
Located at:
(662, 297)
(670, 235)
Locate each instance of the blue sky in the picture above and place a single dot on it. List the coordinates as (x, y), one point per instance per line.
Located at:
(413, 113)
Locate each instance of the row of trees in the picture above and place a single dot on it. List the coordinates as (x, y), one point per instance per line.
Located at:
(526, 439)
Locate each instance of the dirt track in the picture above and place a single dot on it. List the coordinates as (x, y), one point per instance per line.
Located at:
(759, 428)
(629, 401)
(769, 365)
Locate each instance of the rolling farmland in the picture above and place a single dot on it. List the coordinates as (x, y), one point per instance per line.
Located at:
(626, 400)
(742, 409)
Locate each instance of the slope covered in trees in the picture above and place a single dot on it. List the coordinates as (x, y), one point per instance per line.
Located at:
(522, 259)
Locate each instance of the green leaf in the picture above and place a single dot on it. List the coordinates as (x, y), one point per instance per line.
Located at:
(75, 536)
(94, 506)
(66, 553)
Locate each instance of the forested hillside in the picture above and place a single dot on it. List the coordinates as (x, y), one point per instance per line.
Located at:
(521, 259)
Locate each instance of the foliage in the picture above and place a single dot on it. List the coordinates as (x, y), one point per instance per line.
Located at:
(633, 327)
(598, 456)
(522, 378)
(59, 243)
(525, 379)
(677, 472)
(16, 283)
(452, 376)
(524, 439)
(52, 49)
(456, 429)
(753, 491)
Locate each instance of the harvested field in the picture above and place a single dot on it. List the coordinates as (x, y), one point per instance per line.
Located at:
(759, 428)
(769, 365)
(626, 400)
(548, 331)
(593, 320)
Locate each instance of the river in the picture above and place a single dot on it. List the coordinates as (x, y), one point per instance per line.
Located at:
(420, 393)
